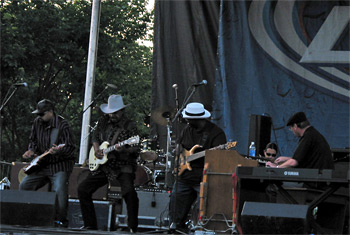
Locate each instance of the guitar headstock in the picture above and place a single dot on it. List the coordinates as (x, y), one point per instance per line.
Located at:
(133, 140)
(230, 145)
(59, 146)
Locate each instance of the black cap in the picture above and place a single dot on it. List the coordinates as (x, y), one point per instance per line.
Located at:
(297, 118)
(43, 106)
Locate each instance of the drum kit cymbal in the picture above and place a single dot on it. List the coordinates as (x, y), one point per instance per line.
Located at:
(162, 115)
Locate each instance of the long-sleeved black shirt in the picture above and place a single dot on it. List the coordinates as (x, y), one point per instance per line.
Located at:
(40, 140)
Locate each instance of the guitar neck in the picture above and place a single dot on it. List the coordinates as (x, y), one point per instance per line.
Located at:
(114, 147)
(201, 154)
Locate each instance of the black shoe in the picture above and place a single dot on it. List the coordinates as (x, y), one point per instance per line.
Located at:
(88, 228)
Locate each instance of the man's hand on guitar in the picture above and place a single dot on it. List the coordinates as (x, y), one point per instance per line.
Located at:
(54, 149)
(28, 154)
(99, 153)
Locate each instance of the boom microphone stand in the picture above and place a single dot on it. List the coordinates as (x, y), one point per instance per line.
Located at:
(179, 111)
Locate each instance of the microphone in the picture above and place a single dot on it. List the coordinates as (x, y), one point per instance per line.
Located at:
(204, 82)
(112, 86)
(21, 84)
(175, 86)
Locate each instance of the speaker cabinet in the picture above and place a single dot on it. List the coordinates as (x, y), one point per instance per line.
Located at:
(274, 218)
(27, 208)
(153, 209)
(259, 132)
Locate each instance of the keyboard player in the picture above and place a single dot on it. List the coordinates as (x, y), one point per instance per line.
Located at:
(313, 150)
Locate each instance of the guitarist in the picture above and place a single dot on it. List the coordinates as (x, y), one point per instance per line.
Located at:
(198, 131)
(113, 126)
(50, 129)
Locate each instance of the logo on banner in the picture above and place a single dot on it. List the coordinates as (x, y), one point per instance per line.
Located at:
(313, 54)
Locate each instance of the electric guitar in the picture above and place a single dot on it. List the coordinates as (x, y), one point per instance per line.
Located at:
(35, 163)
(94, 162)
(189, 156)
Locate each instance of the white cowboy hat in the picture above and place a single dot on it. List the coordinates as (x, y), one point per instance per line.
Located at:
(195, 111)
(115, 103)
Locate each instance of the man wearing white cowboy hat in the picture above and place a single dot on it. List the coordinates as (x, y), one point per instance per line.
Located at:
(201, 132)
(113, 127)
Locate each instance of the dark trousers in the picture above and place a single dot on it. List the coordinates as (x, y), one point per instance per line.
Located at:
(181, 201)
(93, 182)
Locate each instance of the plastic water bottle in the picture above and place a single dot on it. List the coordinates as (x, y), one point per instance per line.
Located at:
(252, 149)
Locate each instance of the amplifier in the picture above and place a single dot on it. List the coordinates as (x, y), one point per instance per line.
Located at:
(105, 214)
(153, 210)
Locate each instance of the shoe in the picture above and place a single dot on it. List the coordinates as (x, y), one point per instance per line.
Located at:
(133, 230)
(88, 228)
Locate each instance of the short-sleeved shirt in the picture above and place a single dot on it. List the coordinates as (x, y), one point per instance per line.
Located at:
(210, 136)
(313, 151)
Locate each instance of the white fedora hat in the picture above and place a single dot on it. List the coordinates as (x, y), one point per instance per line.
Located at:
(195, 111)
(115, 103)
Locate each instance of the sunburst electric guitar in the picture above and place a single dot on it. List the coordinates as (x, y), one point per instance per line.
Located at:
(94, 162)
(35, 163)
(189, 156)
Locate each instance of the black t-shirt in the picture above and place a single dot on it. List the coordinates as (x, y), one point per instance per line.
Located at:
(210, 136)
(313, 151)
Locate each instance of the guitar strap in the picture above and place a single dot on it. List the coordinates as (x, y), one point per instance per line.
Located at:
(53, 136)
(204, 139)
(115, 136)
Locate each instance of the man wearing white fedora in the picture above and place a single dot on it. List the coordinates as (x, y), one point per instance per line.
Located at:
(198, 135)
(114, 127)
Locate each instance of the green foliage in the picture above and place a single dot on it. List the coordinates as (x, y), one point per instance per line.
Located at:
(45, 43)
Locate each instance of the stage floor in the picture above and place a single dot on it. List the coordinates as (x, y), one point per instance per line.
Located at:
(29, 230)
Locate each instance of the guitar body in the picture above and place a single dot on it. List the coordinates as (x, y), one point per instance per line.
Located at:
(94, 162)
(184, 164)
(32, 167)
(35, 163)
(189, 156)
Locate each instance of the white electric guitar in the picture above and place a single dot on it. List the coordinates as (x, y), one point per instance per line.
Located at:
(94, 162)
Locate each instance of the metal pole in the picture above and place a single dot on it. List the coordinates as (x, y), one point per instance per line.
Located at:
(90, 78)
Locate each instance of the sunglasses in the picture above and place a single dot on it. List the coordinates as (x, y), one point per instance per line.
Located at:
(271, 154)
(41, 114)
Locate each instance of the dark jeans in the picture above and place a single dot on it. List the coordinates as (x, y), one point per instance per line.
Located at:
(94, 182)
(181, 200)
(59, 183)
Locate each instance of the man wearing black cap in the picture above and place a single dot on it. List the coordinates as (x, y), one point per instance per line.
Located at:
(313, 150)
(201, 133)
(48, 131)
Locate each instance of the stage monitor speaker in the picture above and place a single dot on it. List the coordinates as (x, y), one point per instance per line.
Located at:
(27, 208)
(259, 132)
(273, 218)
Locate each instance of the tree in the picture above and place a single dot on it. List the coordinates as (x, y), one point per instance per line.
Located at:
(45, 43)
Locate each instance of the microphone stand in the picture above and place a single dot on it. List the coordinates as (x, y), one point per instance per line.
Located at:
(92, 102)
(173, 225)
(8, 99)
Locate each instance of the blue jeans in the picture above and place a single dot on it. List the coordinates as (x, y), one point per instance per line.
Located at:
(59, 184)
(181, 200)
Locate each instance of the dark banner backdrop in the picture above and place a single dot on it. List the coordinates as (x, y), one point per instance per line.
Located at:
(185, 46)
(280, 57)
(262, 57)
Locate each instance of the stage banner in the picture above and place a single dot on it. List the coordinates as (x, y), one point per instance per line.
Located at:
(276, 58)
